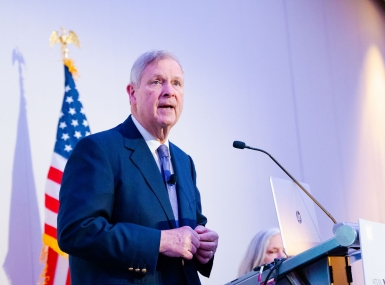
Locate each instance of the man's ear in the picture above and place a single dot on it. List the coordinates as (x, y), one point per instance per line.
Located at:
(131, 93)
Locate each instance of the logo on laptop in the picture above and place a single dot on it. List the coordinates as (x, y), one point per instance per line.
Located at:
(299, 218)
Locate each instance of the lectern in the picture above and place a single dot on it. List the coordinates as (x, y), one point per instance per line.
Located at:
(326, 263)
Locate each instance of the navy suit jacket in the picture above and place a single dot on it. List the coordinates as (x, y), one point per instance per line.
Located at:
(113, 205)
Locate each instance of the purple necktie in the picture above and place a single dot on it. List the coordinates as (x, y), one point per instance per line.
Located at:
(165, 166)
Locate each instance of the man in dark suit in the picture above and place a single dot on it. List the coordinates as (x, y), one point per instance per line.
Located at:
(130, 211)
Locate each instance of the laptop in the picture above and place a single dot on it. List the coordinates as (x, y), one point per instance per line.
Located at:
(296, 216)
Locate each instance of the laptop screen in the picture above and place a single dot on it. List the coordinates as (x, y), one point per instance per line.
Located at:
(296, 216)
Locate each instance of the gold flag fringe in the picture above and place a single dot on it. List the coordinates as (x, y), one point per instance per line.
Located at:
(43, 259)
(48, 242)
(52, 243)
(71, 67)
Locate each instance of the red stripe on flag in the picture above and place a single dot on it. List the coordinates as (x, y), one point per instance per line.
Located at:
(68, 278)
(51, 231)
(51, 204)
(51, 266)
(55, 175)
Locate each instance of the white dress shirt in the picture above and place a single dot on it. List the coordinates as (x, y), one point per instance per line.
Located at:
(153, 145)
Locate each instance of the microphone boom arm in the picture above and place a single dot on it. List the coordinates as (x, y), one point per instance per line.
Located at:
(295, 181)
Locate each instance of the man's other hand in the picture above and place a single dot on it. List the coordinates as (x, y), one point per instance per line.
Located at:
(208, 244)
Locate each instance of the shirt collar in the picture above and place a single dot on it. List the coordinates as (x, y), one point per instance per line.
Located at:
(151, 141)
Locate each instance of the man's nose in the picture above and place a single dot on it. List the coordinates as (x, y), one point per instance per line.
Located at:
(168, 89)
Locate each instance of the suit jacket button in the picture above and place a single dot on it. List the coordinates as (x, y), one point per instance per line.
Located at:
(144, 270)
(137, 269)
(131, 268)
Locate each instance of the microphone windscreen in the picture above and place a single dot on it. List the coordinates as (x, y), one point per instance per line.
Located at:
(238, 144)
(173, 179)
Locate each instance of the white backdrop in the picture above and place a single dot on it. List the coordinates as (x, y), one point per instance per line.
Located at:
(304, 80)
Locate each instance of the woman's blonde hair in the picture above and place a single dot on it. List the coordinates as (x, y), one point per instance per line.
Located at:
(256, 251)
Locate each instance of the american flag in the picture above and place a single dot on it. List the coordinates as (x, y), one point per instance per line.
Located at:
(72, 126)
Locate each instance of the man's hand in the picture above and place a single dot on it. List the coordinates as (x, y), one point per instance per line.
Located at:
(208, 244)
(180, 242)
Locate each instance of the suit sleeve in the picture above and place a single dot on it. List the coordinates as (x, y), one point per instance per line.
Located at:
(200, 218)
(86, 206)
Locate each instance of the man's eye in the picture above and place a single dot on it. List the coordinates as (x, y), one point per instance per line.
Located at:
(177, 83)
(155, 82)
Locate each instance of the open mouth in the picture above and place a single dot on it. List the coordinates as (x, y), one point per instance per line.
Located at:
(168, 107)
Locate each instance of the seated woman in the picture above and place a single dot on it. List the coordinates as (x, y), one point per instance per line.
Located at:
(263, 248)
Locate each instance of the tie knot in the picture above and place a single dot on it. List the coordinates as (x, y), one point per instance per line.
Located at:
(163, 151)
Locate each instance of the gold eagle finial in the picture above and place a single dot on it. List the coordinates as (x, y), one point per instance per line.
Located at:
(64, 40)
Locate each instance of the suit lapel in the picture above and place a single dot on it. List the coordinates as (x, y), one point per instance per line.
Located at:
(183, 185)
(143, 159)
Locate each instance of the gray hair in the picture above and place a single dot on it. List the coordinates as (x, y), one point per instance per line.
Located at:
(256, 251)
(147, 58)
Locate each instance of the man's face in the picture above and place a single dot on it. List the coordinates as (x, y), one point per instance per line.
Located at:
(158, 100)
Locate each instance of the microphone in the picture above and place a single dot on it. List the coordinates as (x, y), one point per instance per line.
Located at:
(242, 145)
(172, 180)
(238, 144)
